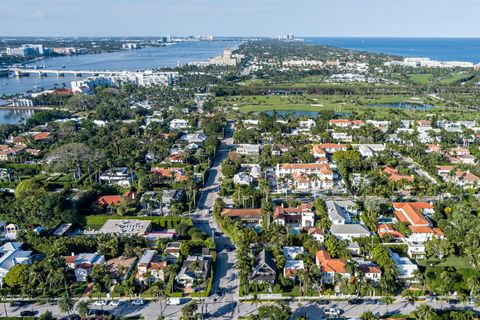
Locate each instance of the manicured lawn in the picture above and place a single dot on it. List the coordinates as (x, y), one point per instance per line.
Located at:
(454, 77)
(96, 221)
(421, 79)
(456, 262)
(315, 103)
(451, 261)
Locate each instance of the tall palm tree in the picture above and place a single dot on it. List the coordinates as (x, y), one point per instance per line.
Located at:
(82, 308)
(66, 304)
(473, 285)
(424, 312)
(3, 293)
(388, 300)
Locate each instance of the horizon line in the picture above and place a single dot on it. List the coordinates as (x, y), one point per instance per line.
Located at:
(298, 37)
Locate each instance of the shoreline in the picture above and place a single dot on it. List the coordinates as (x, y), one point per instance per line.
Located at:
(35, 108)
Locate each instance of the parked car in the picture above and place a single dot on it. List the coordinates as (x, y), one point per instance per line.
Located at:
(354, 301)
(115, 303)
(16, 303)
(174, 301)
(332, 312)
(371, 301)
(28, 313)
(100, 303)
(323, 302)
(138, 302)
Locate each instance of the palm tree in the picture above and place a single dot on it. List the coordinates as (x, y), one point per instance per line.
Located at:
(66, 304)
(473, 285)
(158, 291)
(424, 312)
(82, 308)
(388, 299)
(3, 293)
(368, 315)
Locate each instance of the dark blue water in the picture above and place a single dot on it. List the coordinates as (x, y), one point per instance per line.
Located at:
(403, 105)
(130, 60)
(444, 49)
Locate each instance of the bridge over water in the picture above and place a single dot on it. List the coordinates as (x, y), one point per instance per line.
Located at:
(21, 72)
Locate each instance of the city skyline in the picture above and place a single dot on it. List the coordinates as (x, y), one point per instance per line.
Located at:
(368, 18)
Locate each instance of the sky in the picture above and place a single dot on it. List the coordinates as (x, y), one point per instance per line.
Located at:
(346, 18)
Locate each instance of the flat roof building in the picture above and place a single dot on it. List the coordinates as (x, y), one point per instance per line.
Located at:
(126, 227)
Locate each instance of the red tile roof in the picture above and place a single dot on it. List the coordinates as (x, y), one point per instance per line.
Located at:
(327, 264)
(109, 200)
(411, 212)
(322, 167)
(243, 213)
(40, 136)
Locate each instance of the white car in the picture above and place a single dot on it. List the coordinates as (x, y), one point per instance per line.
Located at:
(138, 302)
(100, 303)
(174, 301)
(332, 312)
(115, 303)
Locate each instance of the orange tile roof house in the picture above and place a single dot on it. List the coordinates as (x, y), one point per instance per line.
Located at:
(384, 230)
(251, 216)
(344, 123)
(412, 213)
(394, 175)
(177, 173)
(321, 150)
(432, 148)
(305, 176)
(466, 179)
(370, 271)
(301, 216)
(330, 267)
(41, 136)
(109, 200)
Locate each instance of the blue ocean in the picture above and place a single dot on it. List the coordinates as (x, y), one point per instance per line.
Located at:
(444, 49)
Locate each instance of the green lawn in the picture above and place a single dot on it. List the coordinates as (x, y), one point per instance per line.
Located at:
(96, 221)
(456, 262)
(305, 102)
(453, 78)
(421, 79)
(451, 261)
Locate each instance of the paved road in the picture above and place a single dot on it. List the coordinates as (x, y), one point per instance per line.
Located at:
(222, 309)
(416, 167)
(226, 276)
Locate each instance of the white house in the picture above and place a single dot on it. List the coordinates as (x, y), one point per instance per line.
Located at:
(178, 124)
(339, 211)
(292, 252)
(306, 125)
(296, 217)
(341, 136)
(242, 178)
(11, 255)
(248, 149)
(349, 231)
(83, 263)
(118, 176)
(405, 266)
(369, 150)
(416, 250)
